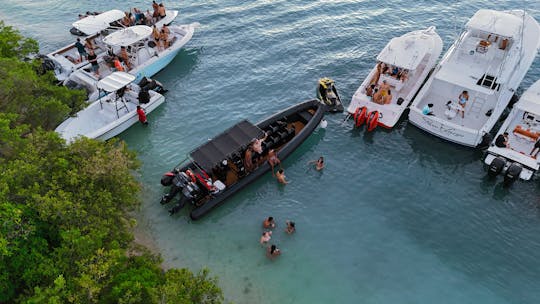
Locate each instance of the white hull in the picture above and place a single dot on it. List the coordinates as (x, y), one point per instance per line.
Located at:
(523, 128)
(100, 120)
(148, 62)
(406, 90)
(469, 66)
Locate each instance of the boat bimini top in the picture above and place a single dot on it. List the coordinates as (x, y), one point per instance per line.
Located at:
(95, 24)
(128, 36)
(225, 144)
(115, 81)
(406, 51)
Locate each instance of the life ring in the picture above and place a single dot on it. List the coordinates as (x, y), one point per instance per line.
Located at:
(372, 120)
(360, 116)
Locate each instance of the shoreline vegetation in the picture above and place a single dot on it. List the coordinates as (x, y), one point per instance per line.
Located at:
(67, 230)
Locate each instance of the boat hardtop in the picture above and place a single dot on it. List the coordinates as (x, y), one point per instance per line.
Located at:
(485, 65)
(93, 24)
(128, 36)
(523, 132)
(403, 64)
(112, 114)
(217, 169)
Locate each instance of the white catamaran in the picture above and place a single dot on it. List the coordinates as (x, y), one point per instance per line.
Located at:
(477, 77)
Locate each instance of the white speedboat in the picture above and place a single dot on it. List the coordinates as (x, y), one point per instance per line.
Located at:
(65, 60)
(517, 157)
(488, 61)
(145, 58)
(112, 114)
(403, 64)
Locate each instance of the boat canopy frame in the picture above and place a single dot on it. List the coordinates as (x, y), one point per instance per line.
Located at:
(114, 83)
(222, 146)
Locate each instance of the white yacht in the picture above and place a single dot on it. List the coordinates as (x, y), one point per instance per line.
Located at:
(145, 58)
(112, 114)
(488, 61)
(403, 64)
(65, 60)
(515, 155)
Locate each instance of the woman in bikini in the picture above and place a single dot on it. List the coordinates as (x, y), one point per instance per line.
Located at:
(462, 100)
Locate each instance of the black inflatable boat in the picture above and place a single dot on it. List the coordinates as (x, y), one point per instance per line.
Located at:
(215, 171)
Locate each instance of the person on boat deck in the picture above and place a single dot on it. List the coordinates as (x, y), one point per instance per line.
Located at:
(248, 160)
(319, 163)
(126, 21)
(272, 252)
(125, 57)
(256, 144)
(388, 97)
(89, 44)
(92, 58)
(428, 109)
(385, 69)
(144, 96)
(155, 6)
(142, 115)
(369, 90)
(269, 223)
(266, 236)
(280, 175)
(117, 64)
(161, 11)
(290, 229)
(502, 140)
(536, 147)
(166, 29)
(164, 37)
(384, 88)
(156, 36)
(273, 160)
(148, 18)
(139, 16)
(462, 101)
(377, 76)
(80, 49)
(395, 71)
(377, 96)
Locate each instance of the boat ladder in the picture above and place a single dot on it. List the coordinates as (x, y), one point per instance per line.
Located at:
(123, 106)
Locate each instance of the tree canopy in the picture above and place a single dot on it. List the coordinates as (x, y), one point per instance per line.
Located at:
(66, 210)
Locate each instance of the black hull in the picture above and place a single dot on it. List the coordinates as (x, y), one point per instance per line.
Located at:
(76, 32)
(283, 153)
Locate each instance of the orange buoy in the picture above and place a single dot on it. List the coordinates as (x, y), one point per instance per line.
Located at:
(372, 120)
(360, 116)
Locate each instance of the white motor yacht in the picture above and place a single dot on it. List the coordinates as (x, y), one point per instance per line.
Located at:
(477, 77)
(403, 65)
(66, 60)
(112, 114)
(145, 58)
(514, 150)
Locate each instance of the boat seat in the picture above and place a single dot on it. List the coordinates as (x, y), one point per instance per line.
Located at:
(527, 133)
(305, 116)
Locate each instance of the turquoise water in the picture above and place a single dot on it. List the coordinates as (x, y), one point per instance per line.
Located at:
(395, 217)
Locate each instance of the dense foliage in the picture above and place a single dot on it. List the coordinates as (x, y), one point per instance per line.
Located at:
(65, 224)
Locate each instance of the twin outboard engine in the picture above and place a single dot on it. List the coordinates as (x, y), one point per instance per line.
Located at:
(150, 84)
(177, 180)
(512, 174)
(496, 166)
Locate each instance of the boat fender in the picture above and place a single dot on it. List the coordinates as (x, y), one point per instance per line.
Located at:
(191, 175)
(204, 182)
(166, 179)
(360, 116)
(372, 120)
(512, 174)
(496, 166)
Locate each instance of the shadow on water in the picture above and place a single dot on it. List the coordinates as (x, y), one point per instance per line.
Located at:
(184, 63)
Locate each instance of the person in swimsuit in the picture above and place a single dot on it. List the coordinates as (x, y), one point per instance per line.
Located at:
(117, 65)
(280, 175)
(272, 252)
(269, 223)
(256, 144)
(290, 227)
(377, 96)
(319, 163)
(370, 89)
(266, 236)
(155, 6)
(125, 57)
(248, 160)
(155, 35)
(92, 58)
(164, 37)
(161, 11)
(384, 88)
(462, 101)
(273, 160)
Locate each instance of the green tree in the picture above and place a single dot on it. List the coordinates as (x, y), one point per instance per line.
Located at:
(14, 45)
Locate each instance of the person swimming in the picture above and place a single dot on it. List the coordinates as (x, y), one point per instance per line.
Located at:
(290, 227)
(280, 175)
(319, 163)
(266, 236)
(269, 223)
(272, 251)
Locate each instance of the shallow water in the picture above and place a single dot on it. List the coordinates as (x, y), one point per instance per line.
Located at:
(395, 217)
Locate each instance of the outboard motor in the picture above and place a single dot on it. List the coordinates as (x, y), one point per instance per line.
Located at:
(496, 166)
(178, 182)
(512, 174)
(166, 179)
(486, 140)
(181, 203)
